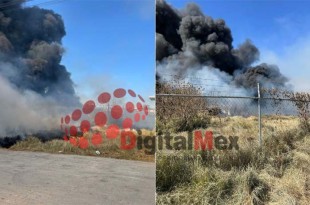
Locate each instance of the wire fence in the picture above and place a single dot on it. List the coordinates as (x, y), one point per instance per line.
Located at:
(264, 108)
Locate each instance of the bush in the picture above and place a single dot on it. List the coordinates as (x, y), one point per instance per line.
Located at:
(177, 114)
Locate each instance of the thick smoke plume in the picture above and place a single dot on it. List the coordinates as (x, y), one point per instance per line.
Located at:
(35, 87)
(188, 41)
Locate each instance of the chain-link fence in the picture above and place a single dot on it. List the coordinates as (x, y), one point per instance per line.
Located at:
(261, 116)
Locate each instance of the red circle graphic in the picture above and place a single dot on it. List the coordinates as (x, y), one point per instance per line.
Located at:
(100, 119)
(132, 93)
(141, 98)
(73, 131)
(137, 117)
(112, 131)
(104, 98)
(76, 114)
(116, 112)
(67, 119)
(119, 93)
(73, 141)
(96, 139)
(127, 123)
(88, 107)
(139, 106)
(130, 107)
(146, 110)
(83, 143)
(85, 126)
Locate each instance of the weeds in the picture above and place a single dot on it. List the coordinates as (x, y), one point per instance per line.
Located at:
(172, 170)
(277, 173)
(107, 149)
(300, 100)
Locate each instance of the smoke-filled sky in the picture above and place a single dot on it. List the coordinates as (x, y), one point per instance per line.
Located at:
(108, 44)
(55, 55)
(279, 29)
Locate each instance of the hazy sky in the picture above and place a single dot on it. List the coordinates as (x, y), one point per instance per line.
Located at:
(109, 44)
(279, 28)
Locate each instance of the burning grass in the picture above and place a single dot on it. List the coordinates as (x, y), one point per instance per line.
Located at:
(109, 148)
(278, 173)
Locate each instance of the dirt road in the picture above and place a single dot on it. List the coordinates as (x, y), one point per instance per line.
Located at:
(40, 178)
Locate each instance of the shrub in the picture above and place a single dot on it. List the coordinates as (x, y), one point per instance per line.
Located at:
(177, 114)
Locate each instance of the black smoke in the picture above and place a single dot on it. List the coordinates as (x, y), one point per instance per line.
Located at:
(187, 40)
(35, 88)
(7, 142)
(268, 74)
(31, 51)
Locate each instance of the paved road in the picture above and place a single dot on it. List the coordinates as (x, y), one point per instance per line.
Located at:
(43, 179)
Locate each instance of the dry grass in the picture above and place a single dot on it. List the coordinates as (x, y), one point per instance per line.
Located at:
(109, 148)
(277, 174)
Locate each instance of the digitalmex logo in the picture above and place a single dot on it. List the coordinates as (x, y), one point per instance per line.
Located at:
(113, 113)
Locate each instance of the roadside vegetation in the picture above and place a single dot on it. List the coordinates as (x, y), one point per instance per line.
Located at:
(278, 173)
(109, 148)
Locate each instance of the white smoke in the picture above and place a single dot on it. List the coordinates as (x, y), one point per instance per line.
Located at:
(26, 112)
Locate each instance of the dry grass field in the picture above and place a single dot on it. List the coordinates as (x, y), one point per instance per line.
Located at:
(278, 173)
(109, 147)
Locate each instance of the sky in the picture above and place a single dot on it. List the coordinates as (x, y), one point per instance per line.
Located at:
(279, 28)
(109, 44)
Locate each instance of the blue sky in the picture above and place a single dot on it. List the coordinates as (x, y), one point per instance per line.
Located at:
(279, 28)
(109, 44)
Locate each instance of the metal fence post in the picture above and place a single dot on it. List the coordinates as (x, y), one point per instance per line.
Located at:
(259, 116)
